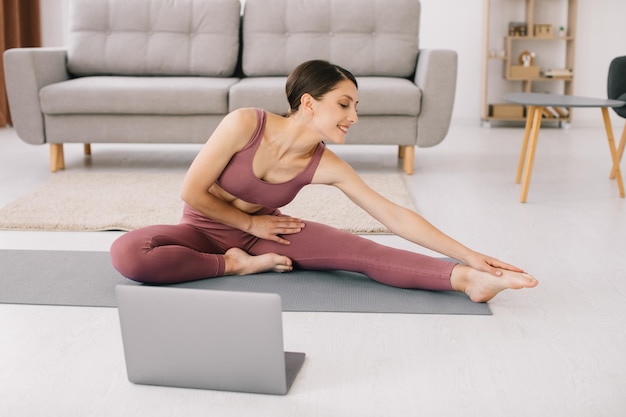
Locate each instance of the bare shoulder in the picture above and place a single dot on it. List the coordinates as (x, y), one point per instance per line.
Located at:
(236, 128)
(242, 115)
(230, 136)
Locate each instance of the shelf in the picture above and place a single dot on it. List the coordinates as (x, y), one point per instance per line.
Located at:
(505, 119)
(512, 112)
(523, 119)
(503, 26)
(541, 38)
(539, 79)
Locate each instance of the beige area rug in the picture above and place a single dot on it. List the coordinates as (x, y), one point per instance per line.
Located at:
(95, 201)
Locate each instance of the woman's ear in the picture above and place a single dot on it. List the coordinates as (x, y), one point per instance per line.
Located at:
(307, 103)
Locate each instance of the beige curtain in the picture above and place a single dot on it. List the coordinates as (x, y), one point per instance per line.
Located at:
(21, 27)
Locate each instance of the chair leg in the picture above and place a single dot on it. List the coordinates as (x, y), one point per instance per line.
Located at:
(57, 159)
(408, 157)
(620, 151)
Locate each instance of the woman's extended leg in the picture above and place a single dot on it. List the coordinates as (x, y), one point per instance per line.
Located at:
(170, 254)
(322, 247)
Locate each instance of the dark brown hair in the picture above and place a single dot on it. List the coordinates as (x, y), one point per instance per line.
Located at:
(316, 77)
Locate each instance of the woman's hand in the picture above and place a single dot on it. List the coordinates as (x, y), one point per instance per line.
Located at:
(488, 264)
(270, 227)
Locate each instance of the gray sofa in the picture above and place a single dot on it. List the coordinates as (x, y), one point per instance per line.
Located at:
(159, 71)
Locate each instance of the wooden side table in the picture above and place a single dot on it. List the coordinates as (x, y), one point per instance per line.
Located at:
(535, 104)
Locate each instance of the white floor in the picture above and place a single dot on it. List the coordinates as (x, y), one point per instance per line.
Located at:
(556, 350)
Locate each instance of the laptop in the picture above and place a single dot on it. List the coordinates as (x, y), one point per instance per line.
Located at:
(205, 339)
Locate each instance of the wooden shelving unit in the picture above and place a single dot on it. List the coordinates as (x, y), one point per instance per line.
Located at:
(514, 29)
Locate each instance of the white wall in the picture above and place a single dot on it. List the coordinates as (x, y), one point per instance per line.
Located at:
(457, 25)
(54, 22)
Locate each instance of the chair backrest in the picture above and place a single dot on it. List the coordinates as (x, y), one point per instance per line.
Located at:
(616, 83)
(154, 37)
(371, 37)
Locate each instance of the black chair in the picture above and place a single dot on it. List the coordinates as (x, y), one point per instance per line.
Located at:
(616, 90)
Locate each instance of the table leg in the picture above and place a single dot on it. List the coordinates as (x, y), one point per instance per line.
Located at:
(614, 153)
(534, 133)
(522, 156)
(620, 150)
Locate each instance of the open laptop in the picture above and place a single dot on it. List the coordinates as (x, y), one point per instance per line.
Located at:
(218, 340)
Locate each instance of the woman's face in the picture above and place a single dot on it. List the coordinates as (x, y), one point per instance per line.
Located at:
(336, 111)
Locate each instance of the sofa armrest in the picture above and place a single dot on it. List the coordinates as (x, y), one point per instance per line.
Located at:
(26, 71)
(436, 76)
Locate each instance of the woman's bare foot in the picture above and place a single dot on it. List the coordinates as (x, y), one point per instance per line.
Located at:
(238, 262)
(481, 287)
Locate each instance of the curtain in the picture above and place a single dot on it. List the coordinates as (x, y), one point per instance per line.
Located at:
(21, 27)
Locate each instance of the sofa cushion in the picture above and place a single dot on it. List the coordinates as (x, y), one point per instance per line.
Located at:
(388, 96)
(266, 93)
(367, 37)
(137, 95)
(378, 96)
(144, 37)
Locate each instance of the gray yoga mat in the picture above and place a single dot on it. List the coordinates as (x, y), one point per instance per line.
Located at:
(74, 278)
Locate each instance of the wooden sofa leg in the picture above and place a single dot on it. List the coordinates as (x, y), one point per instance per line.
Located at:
(87, 147)
(57, 159)
(407, 154)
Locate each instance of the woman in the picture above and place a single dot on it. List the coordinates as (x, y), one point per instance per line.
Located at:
(254, 163)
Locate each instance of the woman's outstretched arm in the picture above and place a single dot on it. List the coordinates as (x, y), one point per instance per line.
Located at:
(400, 220)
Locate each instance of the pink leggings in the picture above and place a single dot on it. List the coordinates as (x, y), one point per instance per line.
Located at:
(194, 249)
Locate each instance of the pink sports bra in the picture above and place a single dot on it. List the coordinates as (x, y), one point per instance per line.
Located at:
(239, 180)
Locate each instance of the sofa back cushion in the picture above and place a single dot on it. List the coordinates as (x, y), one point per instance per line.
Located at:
(154, 37)
(367, 37)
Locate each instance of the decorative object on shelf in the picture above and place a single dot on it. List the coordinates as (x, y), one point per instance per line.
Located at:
(526, 58)
(554, 112)
(506, 110)
(549, 113)
(562, 111)
(517, 29)
(542, 30)
(526, 69)
(558, 73)
(495, 53)
(562, 31)
(521, 72)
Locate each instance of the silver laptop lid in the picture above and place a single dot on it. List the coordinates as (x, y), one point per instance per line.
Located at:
(206, 339)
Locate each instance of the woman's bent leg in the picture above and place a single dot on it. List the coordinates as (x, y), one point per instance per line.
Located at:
(167, 254)
(320, 247)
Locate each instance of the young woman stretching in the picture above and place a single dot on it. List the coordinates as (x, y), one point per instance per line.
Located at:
(256, 162)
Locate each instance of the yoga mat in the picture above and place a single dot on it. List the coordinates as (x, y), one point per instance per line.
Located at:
(75, 278)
